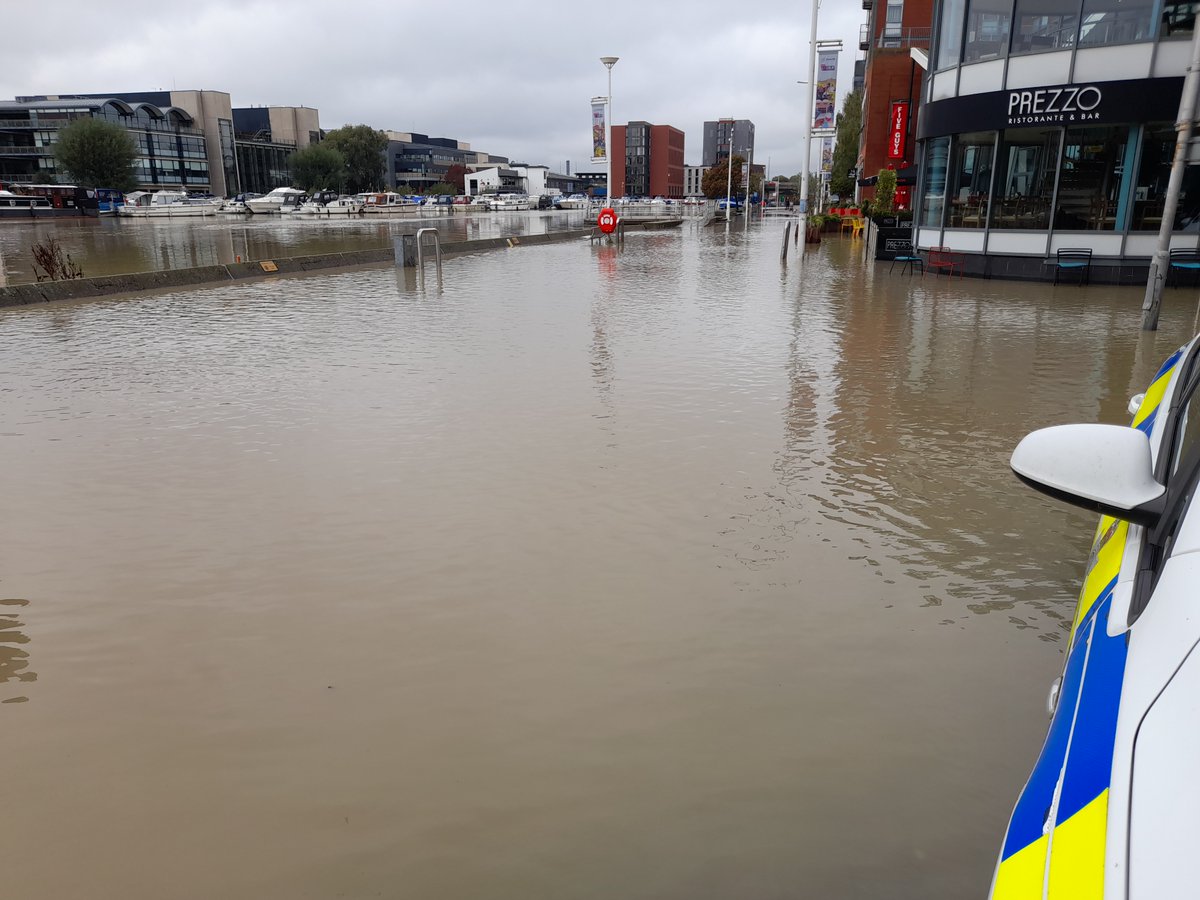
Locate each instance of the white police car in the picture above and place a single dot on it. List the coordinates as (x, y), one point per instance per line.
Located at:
(1112, 808)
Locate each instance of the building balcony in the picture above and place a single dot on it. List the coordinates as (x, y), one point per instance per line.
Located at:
(903, 38)
(26, 151)
(867, 4)
(864, 38)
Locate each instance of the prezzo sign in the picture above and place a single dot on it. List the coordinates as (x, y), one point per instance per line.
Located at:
(1054, 106)
(899, 132)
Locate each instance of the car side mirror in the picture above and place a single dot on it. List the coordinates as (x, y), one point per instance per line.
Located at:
(1104, 468)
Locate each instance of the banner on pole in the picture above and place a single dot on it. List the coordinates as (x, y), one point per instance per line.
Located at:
(898, 136)
(827, 155)
(599, 138)
(826, 94)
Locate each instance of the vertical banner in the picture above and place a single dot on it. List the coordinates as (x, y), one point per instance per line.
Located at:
(826, 97)
(827, 156)
(599, 143)
(898, 130)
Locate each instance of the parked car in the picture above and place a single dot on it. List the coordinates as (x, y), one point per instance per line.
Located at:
(1112, 807)
(733, 203)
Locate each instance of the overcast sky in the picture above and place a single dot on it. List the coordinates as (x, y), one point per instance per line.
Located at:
(513, 78)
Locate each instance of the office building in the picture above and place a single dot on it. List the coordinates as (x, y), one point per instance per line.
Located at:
(264, 138)
(652, 162)
(1051, 124)
(721, 135)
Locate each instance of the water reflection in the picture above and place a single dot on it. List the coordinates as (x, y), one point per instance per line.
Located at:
(596, 557)
(112, 246)
(14, 659)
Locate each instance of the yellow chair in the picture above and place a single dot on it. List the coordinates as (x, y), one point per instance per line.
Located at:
(860, 225)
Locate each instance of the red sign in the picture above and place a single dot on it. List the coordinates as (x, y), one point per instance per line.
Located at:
(607, 221)
(898, 139)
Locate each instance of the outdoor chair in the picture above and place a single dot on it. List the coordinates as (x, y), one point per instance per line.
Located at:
(1074, 259)
(1184, 261)
(905, 253)
(943, 259)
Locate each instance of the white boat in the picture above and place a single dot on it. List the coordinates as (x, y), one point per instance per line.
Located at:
(13, 205)
(387, 203)
(575, 201)
(165, 205)
(275, 201)
(327, 203)
(237, 206)
(509, 202)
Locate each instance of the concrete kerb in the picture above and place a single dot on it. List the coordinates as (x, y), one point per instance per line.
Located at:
(138, 282)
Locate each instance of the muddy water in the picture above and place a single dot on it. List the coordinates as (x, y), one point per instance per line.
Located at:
(118, 246)
(664, 574)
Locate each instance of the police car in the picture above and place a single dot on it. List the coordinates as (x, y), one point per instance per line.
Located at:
(1112, 808)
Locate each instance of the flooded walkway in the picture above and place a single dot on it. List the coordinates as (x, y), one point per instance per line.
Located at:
(659, 574)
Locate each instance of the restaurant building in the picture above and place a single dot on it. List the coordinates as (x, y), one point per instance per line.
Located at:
(1049, 124)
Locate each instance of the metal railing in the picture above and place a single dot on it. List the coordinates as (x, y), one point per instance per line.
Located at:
(437, 247)
(899, 38)
(26, 151)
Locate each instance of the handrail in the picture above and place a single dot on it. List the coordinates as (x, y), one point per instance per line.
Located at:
(437, 247)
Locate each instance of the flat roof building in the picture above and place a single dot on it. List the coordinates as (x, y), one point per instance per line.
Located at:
(1051, 124)
(721, 135)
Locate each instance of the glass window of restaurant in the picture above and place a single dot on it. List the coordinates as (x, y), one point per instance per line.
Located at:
(1024, 183)
(1094, 167)
(1154, 171)
(1116, 22)
(1178, 19)
(933, 201)
(949, 44)
(988, 23)
(971, 178)
(1043, 25)
(937, 152)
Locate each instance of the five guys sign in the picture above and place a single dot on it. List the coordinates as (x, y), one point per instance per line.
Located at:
(898, 138)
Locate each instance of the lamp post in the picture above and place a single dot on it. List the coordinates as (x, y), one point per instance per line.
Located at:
(609, 62)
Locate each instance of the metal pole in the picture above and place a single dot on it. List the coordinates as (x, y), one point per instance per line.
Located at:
(1159, 265)
(729, 172)
(609, 62)
(809, 93)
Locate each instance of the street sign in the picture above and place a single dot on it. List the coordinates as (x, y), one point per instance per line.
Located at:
(607, 220)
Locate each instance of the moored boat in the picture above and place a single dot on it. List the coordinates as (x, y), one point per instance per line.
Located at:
(166, 205)
(275, 201)
(575, 201)
(387, 203)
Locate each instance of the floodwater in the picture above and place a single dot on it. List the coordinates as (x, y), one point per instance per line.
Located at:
(663, 573)
(119, 246)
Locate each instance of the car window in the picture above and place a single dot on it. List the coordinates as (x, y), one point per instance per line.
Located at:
(1187, 431)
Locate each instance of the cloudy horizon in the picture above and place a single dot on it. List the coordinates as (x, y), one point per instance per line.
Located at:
(515, 80)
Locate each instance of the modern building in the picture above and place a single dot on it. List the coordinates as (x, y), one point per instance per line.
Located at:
(415, 162)
(693, 179)
(172, 148)
(892, 80)
(264, 138)
(721, 135)
(1049, 124)
(519, 178)
(190, 140)
(652, 164)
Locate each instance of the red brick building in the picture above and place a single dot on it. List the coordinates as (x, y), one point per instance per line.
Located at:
(892, 89)
(652, 164)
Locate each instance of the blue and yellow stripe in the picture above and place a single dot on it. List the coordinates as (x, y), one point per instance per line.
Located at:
(1055, 842)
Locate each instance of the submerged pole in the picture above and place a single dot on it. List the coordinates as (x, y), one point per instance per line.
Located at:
(810, 89)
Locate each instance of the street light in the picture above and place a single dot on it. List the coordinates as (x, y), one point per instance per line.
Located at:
(609, 62)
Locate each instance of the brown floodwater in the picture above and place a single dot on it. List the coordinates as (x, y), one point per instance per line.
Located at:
(119, 246)
(666, 573)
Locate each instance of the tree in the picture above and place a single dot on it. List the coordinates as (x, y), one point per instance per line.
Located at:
(845, 150)
(456, 175)
(715, 180)
(885, 191)
(318, 167)
(363, 148)
(95, 153)
(440, 188)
